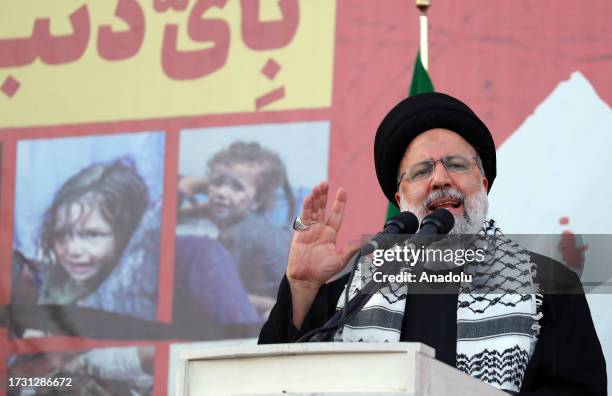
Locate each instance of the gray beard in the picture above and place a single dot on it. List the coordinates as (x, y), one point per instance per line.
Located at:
(474, 215)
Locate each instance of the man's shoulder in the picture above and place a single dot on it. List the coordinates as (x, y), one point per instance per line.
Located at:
(553, 276)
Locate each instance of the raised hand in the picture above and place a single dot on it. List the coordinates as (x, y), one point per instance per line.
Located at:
(314, 257)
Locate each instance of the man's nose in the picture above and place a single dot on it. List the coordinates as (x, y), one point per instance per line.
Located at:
(440, 178)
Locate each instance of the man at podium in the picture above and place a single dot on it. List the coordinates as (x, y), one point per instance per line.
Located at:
(532, 336)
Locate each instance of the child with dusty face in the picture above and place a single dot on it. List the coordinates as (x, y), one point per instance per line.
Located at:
(84, 242)
(232, 191)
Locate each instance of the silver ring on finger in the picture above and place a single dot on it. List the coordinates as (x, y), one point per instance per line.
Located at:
(299, 225)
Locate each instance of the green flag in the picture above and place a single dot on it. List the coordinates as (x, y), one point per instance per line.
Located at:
(421, 83)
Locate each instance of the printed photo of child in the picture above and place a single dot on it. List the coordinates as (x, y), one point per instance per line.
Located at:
(241, 182)
(242, 188)
(96, 242)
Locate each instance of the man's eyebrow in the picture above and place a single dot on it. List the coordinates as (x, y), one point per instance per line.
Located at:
(427, 161)
(446, 156)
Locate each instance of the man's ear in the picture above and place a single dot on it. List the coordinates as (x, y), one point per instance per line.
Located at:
(397, 198)
(485, 183)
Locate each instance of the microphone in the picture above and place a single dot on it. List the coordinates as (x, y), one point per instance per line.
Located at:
(404, 223)
(436, 225)
(440, 221)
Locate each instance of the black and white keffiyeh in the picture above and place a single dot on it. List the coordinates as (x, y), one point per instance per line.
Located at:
(498, 312)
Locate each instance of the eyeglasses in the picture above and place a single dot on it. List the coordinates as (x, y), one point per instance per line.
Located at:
(422, 171)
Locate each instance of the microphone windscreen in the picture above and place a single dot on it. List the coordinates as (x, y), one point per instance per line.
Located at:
(406, 222)
(443, 219)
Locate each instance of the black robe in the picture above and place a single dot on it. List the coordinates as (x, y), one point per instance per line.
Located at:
(567, 359)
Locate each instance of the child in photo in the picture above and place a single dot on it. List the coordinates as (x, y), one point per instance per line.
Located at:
(98, 243)
(240, 185)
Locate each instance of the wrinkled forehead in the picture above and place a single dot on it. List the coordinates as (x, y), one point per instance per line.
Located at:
(435, 144)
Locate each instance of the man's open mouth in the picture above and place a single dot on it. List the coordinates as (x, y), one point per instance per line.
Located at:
(445, 203)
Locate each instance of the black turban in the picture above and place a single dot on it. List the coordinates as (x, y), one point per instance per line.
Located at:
(417, 114)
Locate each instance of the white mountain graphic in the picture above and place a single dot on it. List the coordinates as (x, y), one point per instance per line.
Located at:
(556, 165)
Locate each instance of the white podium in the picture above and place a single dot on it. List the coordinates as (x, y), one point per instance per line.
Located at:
(403, 368)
